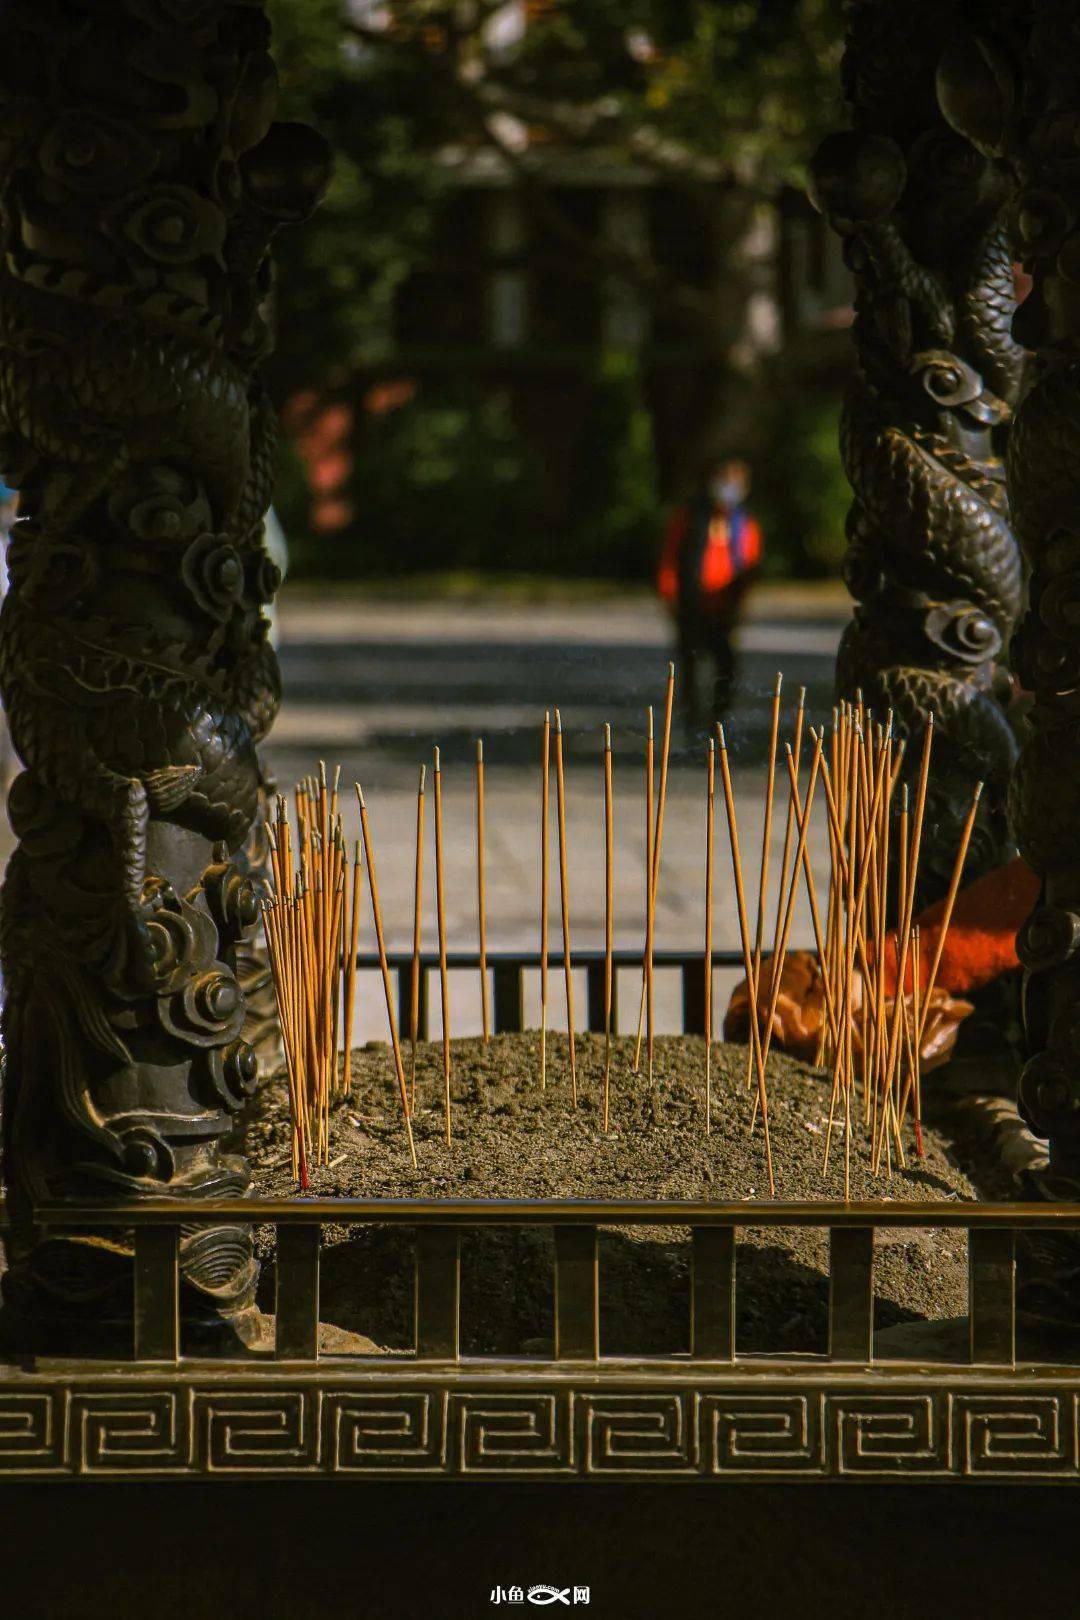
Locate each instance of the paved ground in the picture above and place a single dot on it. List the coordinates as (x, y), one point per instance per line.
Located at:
(374, 684)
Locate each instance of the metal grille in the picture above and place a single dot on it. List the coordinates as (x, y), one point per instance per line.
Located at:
(438, 1223)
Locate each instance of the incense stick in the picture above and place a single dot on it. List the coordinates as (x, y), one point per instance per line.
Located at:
(787, 899)
(373, 885)
(789, 831)
(710, 812)
(655, 847)
(609, 919)
(658, 846)
(907, 910)
(545, 775)
(917, 1020)
(350, 968)
(950, 901)
(748, 960)
(763, 871)
(418, 903)
(564, 893)
(481, 904)
(440, 910)
(646, 947)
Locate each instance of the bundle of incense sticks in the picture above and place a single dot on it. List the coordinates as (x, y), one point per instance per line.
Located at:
(311, 911)
(877, 992)
(876, 1005)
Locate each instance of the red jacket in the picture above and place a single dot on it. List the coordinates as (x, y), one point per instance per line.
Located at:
(733, 547)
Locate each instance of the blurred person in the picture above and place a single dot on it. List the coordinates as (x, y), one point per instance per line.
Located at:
(710, 556)
(277, 549)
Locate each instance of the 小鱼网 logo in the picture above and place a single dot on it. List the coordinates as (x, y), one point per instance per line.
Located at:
(541, 1595)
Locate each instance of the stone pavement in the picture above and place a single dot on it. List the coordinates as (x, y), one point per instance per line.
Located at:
(373, 684)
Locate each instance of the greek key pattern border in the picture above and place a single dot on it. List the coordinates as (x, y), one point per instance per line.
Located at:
(318, 1426)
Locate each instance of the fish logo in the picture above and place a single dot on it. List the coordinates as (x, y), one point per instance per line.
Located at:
(549, 1594)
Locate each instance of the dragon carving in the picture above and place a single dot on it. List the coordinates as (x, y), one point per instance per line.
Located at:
(142, 176)
(1014, 91)
(931, 559)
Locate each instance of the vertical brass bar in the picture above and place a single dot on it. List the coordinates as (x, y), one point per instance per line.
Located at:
(297, 1305)
(437, 1298)
(405, 979)
(509, 999)
(851, 1293)
(577, 1294)
(992, 1297)
(712, 1296)
(594, 997)
(693, 996)
(157, 1293)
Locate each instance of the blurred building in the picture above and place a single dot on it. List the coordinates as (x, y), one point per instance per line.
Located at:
(504, 300)
(510, 299)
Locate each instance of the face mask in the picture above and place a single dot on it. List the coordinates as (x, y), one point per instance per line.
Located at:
(725, 491)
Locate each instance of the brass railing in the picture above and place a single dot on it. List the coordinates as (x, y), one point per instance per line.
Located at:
(991, 1228)
(438, 1223)
(508, 970)
(179, 1410)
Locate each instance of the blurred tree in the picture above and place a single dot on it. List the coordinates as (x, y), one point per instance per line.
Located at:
(800, 492)
(616, 518)
(721, 102)
(335, 289)
(447, 481)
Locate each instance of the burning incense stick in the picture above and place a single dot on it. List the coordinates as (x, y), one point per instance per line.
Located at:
(564, 893)
(440, 910)
(710, 812)
(609, 919)
(545, 778)
(373, 885)
(748, 960)
(481, 905)
(418, 903)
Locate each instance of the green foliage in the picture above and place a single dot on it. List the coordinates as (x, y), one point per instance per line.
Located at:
(755, 83)
(337, 275)
(705, 92)
(444, 481)
(614, 510)
(800, 490)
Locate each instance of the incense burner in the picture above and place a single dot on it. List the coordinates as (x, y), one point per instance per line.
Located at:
(986, 1409)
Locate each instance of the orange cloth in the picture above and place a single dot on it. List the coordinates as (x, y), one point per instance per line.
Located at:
(981, 942)
(800, 1010)
(980, 945)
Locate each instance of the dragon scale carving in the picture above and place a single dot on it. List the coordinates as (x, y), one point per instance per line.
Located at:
(142, 176)
(931, 560)
(1015, 91)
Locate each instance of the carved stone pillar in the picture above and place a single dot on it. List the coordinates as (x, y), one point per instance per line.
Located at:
(1017, 93)
(931, 559)
(141, 179)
